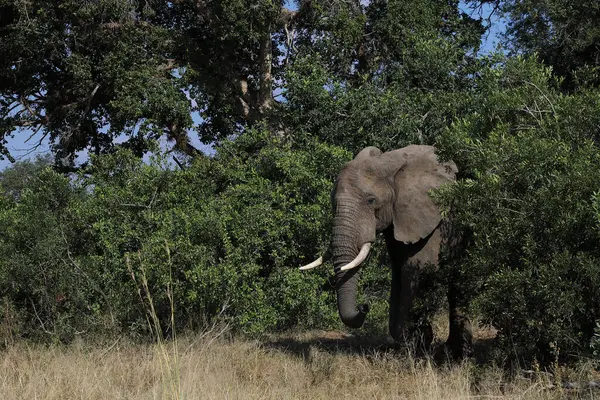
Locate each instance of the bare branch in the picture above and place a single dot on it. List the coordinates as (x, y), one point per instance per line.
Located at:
(543, 95)
(287, 16)
(170, 65)
(244, 103)
(11, 108)
(33, 134)
(178, 163)
(39, 319)
(25, 104)
(34, 147)
(182, 141)
(290, 35)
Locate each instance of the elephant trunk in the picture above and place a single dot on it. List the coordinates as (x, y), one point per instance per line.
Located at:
(346, 282)
(352, 315)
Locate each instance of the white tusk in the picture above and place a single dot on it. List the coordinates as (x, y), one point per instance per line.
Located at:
(364, 252)
(325, 257)
(313, 264)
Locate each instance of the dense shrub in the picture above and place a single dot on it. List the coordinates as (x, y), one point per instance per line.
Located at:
(223, 237)
(39, 272)
(530, 162)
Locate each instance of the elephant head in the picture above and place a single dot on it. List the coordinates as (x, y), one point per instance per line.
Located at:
(374, 192)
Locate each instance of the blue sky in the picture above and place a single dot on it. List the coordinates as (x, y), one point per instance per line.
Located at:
(21, 150)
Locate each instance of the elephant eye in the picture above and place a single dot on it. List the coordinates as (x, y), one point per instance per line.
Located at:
(370, 200)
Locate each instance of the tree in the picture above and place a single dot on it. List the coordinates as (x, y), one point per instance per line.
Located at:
(529, 157)
(13, 180)
(84, 73)
(396, 73)
(564, 33)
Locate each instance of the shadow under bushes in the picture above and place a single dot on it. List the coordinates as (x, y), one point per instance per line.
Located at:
(372, 346)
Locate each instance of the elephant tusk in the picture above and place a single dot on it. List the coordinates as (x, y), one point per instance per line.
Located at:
(364, 252)
(313, 264)
(325, 257)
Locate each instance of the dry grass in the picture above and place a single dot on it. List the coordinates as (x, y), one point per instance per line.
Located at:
(310, 366)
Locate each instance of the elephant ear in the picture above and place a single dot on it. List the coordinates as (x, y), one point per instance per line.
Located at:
(416, 215)
(368, 152)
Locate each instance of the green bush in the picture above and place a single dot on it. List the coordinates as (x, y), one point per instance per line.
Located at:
(529, 165)
(39, 269)
(224, 236)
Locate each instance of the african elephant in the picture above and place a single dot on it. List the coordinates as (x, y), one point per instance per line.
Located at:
(388, 193)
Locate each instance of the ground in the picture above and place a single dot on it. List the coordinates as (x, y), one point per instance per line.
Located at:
(215, 365)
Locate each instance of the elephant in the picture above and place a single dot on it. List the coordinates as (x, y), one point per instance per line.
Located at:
(388, 193)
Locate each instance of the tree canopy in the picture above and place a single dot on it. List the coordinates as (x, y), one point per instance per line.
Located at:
(564, 33)
(84, 73)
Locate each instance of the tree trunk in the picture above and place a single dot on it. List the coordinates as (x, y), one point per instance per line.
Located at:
(265, 94)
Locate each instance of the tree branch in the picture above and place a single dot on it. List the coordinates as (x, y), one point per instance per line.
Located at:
(287, 16)
(182, 141)
(244, 103)
(170, 65)
(178, 163)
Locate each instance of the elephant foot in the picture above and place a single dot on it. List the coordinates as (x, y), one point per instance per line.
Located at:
(460, 339)
(459, 350)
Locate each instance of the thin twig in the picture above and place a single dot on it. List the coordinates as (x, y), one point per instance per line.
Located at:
(543, 94)
(34, 147)
(39, 319)
(105, 352)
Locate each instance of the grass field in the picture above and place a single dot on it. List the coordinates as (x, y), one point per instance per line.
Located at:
(315, 365)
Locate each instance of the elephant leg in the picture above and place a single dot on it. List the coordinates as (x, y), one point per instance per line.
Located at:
(408, 263)
(460, 338)
(397, 314)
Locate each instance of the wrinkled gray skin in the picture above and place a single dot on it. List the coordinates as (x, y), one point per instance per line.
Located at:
(388, 192)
